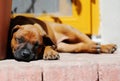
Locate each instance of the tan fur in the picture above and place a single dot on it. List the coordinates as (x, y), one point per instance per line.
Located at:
(59, 33)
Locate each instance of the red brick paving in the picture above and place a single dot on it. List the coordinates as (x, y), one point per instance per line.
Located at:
(71, 67)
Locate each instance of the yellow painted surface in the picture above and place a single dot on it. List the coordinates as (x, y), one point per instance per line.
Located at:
(95, 17)
(85, 14)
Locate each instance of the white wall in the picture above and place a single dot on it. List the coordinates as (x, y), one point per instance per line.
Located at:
(110, 21)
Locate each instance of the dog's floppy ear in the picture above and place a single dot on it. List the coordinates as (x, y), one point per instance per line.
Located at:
(16, 28)
(48, 36)
(41, 30)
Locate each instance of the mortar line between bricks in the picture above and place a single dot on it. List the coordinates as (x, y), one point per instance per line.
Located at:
(42, 76)
(98, 78)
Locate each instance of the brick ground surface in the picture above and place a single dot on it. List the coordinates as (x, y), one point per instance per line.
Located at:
(70, 67)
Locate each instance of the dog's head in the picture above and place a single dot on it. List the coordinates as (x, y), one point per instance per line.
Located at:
(27, 41)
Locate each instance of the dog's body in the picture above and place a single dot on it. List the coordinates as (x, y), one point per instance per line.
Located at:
(33, 38)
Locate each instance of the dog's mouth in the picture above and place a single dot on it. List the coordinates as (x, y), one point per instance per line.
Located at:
(24, 55)
(28, 52)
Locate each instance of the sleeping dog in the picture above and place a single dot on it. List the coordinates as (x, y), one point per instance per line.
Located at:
(32, 39)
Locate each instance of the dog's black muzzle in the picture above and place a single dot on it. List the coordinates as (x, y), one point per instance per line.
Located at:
(25, 52)
(24, 55)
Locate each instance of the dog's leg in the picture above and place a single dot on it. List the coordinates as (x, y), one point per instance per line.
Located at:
(108, 48)
(86, 48)
(50, 54)
(79, 42)
(78, 47)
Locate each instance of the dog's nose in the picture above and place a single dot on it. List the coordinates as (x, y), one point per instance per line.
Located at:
(26, 53)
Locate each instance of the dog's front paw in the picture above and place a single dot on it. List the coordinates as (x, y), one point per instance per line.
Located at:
(109, 48)
(50, 54)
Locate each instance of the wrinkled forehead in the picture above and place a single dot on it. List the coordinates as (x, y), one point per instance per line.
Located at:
(26, 33)
(29, 33)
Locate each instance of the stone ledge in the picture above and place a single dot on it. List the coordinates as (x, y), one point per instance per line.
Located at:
(71, 67)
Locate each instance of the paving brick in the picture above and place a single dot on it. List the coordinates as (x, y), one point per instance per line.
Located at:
(24, 74)
(3, 74)
(70, 67)
(109, 72)
(79, 72)
(16, 71)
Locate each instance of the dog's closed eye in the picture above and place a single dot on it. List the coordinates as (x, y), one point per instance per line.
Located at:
(20, 40)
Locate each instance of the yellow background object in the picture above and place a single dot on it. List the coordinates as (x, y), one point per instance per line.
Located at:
(85, 16)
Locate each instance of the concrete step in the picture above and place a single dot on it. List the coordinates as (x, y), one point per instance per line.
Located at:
(70, 67)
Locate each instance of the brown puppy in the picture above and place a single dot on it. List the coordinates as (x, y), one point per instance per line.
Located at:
(33, 38)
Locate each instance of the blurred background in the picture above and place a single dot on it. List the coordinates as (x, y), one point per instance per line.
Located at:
(110, 21)
(91, 16)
